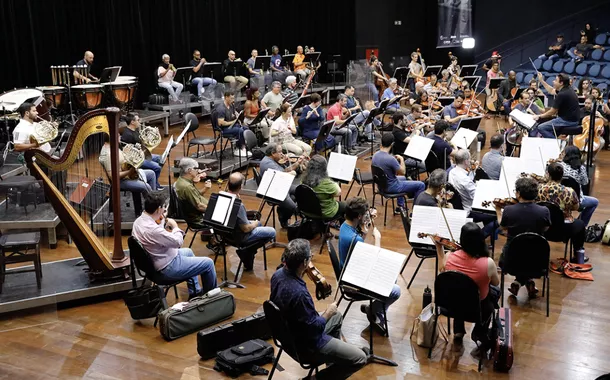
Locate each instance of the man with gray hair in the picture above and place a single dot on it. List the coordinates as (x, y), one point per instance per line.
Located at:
(273, 99)
(436, 183)
(166, 73)
(391, 92)
(317, 336)
(289, 94)
(349, 133)
(192, 200)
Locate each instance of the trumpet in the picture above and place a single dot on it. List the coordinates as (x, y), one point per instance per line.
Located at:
(44, 131)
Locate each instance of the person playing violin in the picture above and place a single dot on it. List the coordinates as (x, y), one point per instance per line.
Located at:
(416, 120)
(526, 105)
(392, 91)
(471, 103)
(355, 229)
(450, 113)
(436, 193)
(433, 85)
(525, 216)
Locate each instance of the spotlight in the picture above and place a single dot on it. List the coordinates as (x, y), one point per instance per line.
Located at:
(468, 43)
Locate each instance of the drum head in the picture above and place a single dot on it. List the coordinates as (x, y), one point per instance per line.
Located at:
(11, 100)
(90, 87)
(125, 78)
(55, 89)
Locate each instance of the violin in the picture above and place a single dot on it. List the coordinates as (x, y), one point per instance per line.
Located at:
(539, 178)
(474, 165)
(444, 197)
(501, 202)
(446, 243)
(323, 288)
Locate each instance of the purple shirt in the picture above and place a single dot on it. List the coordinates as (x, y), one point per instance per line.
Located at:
(161, 244)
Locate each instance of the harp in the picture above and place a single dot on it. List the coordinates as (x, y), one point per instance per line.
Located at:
(97, 256)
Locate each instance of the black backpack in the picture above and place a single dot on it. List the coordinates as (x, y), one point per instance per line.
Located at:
(594, 233)
(245, 357)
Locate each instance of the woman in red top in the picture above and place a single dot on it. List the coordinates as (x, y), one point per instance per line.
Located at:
(473, 260)
(251, 109)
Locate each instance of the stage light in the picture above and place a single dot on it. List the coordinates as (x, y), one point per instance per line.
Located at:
(468, 43)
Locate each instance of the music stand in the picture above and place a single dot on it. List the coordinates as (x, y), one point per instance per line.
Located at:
(302, 102)
(312, 58)
(446, 100)
(384, 104)
(233, 68)
(402, 75)
(109, 74)
(228, 227)
(369, 120)
(468, 70)
(436, 69)
(473, 81)
(323, 134)
(494, 83)
(519, 92)
(471, 123)
(287, 61)
(212, 70)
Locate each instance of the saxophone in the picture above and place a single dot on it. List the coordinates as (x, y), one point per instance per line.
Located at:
(133, 156)
(151, 138)
(44, 131)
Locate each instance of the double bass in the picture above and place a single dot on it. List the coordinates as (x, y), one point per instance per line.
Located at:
(381, 84)
(582, 140)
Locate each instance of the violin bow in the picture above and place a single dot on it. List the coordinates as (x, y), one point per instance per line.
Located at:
(446, 223)
(505, 179)
(541, 159)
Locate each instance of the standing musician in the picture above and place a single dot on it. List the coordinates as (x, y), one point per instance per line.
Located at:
(315, 335)
(231, 77)
(349, 133)
(88, 62)
(300, 67)
(495, 58)
(375, 69)
(166, 73)
(22, 134)
(283, 131)
(416, 71)
(493, 73)
(252, 108)
(506, 91)
(454, 71)
(565, 106)
(278, 72)
(197, 76)
(131, 135)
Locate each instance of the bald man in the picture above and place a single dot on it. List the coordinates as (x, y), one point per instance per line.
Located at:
(235, 81)
(300, 67)
(504, 91)
(88, 62)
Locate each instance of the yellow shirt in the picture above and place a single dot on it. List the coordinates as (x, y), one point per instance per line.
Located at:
(298, 62)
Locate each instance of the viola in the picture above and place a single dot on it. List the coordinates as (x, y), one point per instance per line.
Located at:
(323, 288)
(501, 202)
(446, 243)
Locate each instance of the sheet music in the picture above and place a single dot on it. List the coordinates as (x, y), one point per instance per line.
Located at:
(523, 118)
(222, 210)
(419, 147)
(532, 147)
(463, 138)
(428, 219)
(373, 269)
(514, 166)
(186, 128)
(341, 166)
(280, 183)
(488, 190)
(168, 147)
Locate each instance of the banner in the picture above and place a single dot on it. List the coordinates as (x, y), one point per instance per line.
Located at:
(454, 22)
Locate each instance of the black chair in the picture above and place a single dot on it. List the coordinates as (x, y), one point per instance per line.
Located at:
(573, 184)
(421, 251)
(557, 230)
(20, 248)
(283, 339)
(251, 143)
(480, 173)
(219, 137)
(158, 89)
(456, 296)
(432, 162)
(361, 178)
(528, 255)
(381, 183)
(197, 141)
(309, 207)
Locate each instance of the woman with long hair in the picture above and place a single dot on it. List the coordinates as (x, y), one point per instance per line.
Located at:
(251, 109)
(584, 87)
(316, 177)
(573, 168)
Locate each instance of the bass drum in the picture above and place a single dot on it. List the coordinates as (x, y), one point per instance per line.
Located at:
(11, 100)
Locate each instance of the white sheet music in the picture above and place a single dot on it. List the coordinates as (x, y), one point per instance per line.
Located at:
(341, 166)
(428, 219)
(373, 269)
(275, 184)
(463, 138)
(419, 147)
(168, 147)
(222, 210)
(514, 166)
(531, 149)
(488, 190)
(186, 128)
(523, 118)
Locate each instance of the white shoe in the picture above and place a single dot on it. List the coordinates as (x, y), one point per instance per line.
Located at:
(236, 152)
(244, 153)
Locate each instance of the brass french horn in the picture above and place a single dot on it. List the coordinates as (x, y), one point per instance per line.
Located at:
(44, 131)
(151, 138)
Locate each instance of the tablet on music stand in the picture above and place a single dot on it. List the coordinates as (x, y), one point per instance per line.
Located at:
(109, 74)
(468, 70)
(473, 81)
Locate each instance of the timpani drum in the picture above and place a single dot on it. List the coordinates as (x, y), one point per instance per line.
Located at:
(125, 78)
(88, 96)
(55, 95)
(119, 94)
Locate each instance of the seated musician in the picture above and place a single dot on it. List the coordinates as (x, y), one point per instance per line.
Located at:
(417, 119)
(565, 106)
(567, 200)
(352, 104)
(355, 228)
(584, 87)
(402, 136)
(131, 135)
(192, 199)
(273, 99)
(473, 260)
(338, 112)
(504, 91)
(573, 168)
(450, 112)
(441, 147)
(492, 160)
(197, 75)
(493, 73)
(315, 335)
(273, 160)
(311, 118)
(22, 134)
(557, 50)
(229, 124)
(316, 177)
(433, 85)
(462, 179)
(395, 169)
(88, 62)
(250, 62)
(435, 192)
(300, 67)
(249, 232)
(390, 93)
(283, 130)
(231, 74)
(166, 73)
(525, 216)
(471, 103)
(278, 72)
(289, 94)
(416, 71)
(251, 110)
(162, 238)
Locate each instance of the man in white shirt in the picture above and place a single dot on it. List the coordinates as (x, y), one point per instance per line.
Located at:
(25, 129)
(163, 242)
(166, 73)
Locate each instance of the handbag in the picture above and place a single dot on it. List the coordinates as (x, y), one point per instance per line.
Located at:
(143, 302)
(423, 327)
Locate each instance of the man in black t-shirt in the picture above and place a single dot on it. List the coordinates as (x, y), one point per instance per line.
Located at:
(402, 139)
(131, 135)
(226, 118)
(87, 61)
(198, 79)
(436, 183)
(556, 50)
(525, 216)
(582, 50)
(441, 147)
(565, 107)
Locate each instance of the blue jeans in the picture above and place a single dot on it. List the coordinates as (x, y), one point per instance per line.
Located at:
(187, 266)
(379, 307)
(137, 186)
(259, 234)
(552, 57)
(573, 56)
(236, 130)
(349, 134)
(200, 82)
(154, 166)
(546, 128)
(587, 208)
(373, 91)
(401, 185)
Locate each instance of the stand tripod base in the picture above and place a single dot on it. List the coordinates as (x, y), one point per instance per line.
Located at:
(275, 244)
(231, 284)
(379, 360)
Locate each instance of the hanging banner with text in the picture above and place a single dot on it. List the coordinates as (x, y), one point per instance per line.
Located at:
(454, 22)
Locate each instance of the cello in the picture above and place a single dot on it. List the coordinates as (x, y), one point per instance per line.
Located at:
(582, 140)
(381, 84)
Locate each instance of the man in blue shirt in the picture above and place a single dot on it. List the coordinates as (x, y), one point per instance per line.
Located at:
(278, 72)
(391, 92)
(395, 169)
(450, 113)
(316, 336)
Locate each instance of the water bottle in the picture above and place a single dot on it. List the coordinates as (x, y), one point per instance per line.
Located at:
(427, 297)
(339, 148)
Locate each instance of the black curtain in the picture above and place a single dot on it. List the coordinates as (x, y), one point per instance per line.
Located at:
(135, 33)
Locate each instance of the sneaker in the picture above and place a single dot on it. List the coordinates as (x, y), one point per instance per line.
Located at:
(244, 153)
(397, 210)
(160, 187)
(514, 288)
(532, 291)
(236, 152)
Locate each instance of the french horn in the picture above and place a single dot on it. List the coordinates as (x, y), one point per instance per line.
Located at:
(134, 157)
(44, 131)
(151, 138)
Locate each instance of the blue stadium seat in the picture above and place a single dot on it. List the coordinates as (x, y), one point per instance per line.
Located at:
(597, 54)
(581, 69)
(594, 70)
(558, 66)
(606, 72)
(520, 76)
(600, 39)
(547, 65)
(607, 55)
(603, 86)
(569, 67)
(528, 78)
(538, 63)
(550, 80)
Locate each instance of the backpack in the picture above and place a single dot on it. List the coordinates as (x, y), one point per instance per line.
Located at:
(594, 233)
(245, 357)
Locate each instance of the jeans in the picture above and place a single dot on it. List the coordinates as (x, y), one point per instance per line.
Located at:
(368, 128)
(552, 57)
(154, 166)
(201, 81)
(379, 307)
(349, 134)
(573, 55)
(188, 266)
(259, 234)
(411, 163)
(587, 208)
(174, 88)
(235, 130)
(373, 92)
(401, 185)
(546, 128)
(138, 186)
(346, 358)
(489, 222)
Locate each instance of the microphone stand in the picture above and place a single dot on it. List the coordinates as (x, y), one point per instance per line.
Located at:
(68, 82)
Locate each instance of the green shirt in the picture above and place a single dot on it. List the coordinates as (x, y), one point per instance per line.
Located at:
(326, 191)
(189, 198)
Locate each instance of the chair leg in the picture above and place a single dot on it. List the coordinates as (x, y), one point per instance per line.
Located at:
(385, 214)
(237, 272)
(275, 363)
(415, 274)
(548, 295)
(176, 291)
(502, 289)
(193, 239)
(543, 285)
(350, 189)
(265, 257)
(406, 261)
(448, 326)
(347, 308)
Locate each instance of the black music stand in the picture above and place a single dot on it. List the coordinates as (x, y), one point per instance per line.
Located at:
(436, 70)
(369, 120)
(312, 58)
(234, 68)
(473, 81)
(302, 102)
(273, 203)
(446, 100)
(471, 123)
(212, 70)
(345, 124)
(109, 74)
(287, 61)
(468, 70)
(323, 134)
(228, 226)
(402, 75)
(494, 83)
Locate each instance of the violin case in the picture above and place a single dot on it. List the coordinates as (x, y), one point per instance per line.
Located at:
(503, 352)
(218, 338)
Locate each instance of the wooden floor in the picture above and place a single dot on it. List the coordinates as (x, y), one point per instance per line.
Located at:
(102, 341)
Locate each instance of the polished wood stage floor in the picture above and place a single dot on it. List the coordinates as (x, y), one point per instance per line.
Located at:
(102, 341)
